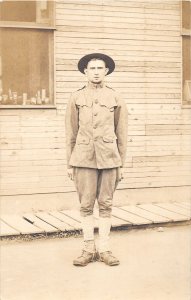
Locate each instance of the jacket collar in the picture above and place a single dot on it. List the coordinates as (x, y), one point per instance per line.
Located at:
(95, 86)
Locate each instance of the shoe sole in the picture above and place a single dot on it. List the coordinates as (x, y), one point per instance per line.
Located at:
(94, 259)
(111, 265)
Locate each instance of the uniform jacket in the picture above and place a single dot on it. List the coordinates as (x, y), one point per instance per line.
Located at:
(96, 128)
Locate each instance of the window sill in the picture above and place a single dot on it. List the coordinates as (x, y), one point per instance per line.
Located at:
(28, 106)
(25, 25)
(186, 106)
(186, 32)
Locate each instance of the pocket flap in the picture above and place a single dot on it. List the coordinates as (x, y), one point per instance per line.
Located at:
(83, 101)
(109, 102)
(109, 139)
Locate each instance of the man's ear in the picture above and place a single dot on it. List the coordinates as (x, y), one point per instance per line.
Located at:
(85, 71)
(106, 71)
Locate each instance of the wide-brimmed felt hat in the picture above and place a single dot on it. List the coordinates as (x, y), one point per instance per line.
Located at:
(83, 62)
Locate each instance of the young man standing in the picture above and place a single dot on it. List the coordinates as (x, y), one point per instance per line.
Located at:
(96, 137)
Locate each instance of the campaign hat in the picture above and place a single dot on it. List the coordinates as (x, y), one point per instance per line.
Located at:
(109, 62)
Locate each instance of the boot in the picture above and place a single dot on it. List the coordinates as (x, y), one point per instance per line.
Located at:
(89, 250)
(84, 259)
(108, 258)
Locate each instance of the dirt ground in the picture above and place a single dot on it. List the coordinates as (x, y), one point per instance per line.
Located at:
(155, 265)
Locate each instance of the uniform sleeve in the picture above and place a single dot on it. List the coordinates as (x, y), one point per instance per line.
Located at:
(120, 119)
(71, 127)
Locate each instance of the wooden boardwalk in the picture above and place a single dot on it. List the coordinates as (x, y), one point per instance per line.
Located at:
(69, 220)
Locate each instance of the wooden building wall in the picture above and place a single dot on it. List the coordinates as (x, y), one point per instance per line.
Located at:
(143, 37)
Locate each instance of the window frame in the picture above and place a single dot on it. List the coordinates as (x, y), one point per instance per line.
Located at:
(51, 53)
(185, 33)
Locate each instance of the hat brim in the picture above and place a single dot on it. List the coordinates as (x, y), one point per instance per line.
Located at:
(109, 62)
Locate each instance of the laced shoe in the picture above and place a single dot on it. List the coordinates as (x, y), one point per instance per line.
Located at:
(108, 258)
(84, 259)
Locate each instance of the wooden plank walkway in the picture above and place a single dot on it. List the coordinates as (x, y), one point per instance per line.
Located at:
(20, 224)
(38, 222)
(6, 230)
(70, 220)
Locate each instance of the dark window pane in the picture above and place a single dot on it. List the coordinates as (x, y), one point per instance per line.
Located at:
(25, 66)
(26, 11)
(186, 14)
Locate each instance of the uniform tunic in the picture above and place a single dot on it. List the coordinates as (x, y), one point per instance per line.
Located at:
(96, 128)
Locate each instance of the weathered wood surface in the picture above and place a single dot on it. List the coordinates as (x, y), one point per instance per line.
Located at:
(139, 211)
(70, 220)
(74, 214)
(55, 222)
(20, 225)
(7, 230)
(186, 212)
(64, 218)
(129, 217)
(172, 216)
(144, 38)
(40, 223)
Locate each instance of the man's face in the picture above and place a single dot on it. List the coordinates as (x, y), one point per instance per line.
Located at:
(96, 71)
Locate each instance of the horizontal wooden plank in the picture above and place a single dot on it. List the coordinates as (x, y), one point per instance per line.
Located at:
(129, 217)
(7, 230)
(40, 223)
(115, 11)
(130, 35)
(120, 45)
(163, 212)
(151, 24)
(117, 222)
(173, 208)
(74, 214)
(167, 5)
(20, 225)
(64, 218)
(184, 205)
(88, 19)
(51, 220)
(137, 210)
(122, 32)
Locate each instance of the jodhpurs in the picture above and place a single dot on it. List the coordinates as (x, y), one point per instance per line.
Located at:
(92, 184)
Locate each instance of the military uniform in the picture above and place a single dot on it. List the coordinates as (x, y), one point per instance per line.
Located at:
(96, 138)
(96, 126)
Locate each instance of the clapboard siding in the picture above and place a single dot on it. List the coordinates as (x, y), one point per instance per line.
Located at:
(144, 38)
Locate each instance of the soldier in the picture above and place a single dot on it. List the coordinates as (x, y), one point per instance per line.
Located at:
(96, 136)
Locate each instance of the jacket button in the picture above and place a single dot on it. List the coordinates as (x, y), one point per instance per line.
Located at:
(96, 101)
(95, 114)
(95, 126)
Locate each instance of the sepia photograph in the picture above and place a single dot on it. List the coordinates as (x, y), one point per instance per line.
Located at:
(95, 150)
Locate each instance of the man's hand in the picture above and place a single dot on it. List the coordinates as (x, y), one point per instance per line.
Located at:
(120, 173)
(70, 172)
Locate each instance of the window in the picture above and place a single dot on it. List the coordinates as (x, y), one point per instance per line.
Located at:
(26, 53)
(186, 51)
(34, 12)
